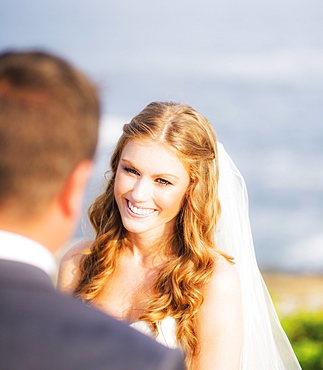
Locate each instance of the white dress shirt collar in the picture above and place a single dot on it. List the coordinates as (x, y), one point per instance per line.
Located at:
(18, 248)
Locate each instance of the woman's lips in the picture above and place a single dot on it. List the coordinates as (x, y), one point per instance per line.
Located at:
(139, 212)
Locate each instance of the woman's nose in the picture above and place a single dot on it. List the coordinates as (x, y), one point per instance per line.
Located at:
(141, 190)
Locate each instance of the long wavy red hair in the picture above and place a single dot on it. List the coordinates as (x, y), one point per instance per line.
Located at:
(177, 289)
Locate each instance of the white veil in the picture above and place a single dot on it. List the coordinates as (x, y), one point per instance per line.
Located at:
(265, 344)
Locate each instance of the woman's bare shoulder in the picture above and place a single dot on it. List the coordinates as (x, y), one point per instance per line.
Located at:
(219, 321)
(69, 268)
(225, 278)
(75, 252)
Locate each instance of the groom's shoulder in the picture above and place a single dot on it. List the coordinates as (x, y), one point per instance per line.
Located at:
(75, 336)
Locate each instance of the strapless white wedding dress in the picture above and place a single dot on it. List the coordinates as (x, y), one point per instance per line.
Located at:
(166, 331)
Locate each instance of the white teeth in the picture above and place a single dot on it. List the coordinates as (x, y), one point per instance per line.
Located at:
(139, 211)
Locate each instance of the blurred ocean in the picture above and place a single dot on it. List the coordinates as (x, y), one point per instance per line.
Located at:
(253, 68)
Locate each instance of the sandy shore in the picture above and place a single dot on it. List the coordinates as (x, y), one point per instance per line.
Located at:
(292, 293)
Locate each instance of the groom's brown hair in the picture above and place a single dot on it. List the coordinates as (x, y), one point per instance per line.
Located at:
(49, 114)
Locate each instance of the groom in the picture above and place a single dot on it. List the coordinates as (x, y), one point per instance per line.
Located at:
(49, 115)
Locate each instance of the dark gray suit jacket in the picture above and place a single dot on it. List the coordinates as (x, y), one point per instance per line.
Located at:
(42, 329)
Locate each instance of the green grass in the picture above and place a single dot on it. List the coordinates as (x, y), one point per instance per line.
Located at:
(305, 332)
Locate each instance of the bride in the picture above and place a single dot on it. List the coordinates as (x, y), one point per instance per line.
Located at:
(173, 253)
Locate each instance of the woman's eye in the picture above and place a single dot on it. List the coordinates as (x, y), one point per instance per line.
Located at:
(163, 182)
(130, 170)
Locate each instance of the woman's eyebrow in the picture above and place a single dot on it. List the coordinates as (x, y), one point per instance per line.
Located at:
(165, 174)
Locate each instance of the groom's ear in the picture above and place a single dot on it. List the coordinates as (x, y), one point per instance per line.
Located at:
(72, 194)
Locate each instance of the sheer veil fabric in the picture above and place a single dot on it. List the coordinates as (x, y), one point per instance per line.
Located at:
(265, 344)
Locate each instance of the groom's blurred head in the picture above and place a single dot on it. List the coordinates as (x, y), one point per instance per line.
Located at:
(49, 114)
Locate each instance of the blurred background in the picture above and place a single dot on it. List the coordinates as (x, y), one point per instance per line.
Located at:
(254, 68)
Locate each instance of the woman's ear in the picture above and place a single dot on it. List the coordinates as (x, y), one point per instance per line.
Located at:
(190, 186)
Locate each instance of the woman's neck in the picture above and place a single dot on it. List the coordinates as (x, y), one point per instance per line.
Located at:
(149, 251)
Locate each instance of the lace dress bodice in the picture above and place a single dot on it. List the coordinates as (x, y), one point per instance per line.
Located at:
(166, 331)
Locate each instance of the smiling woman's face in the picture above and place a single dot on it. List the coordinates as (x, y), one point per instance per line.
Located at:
(149, 188)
